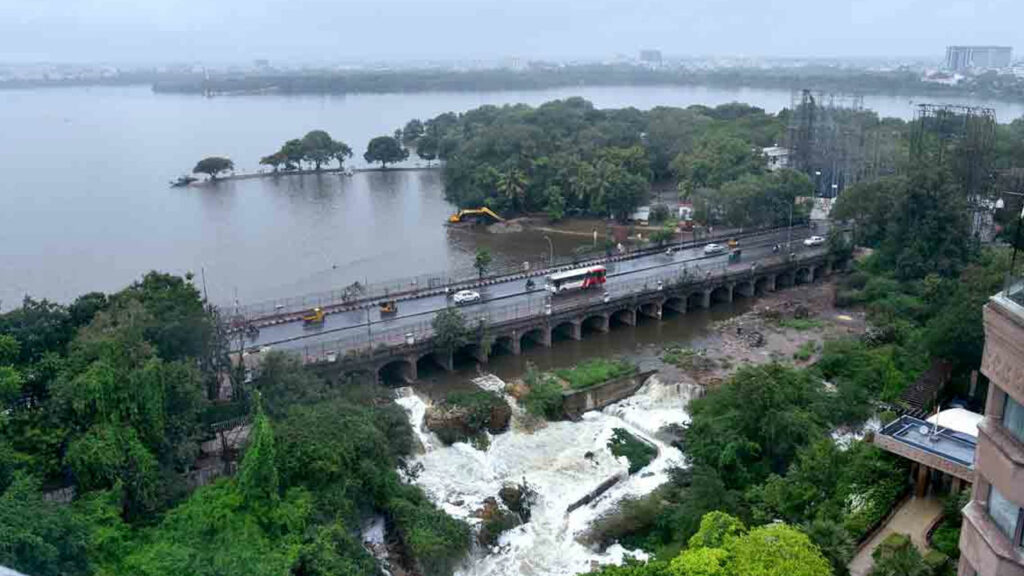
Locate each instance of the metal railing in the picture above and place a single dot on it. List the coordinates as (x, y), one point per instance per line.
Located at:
(413, 286)
(362, 341)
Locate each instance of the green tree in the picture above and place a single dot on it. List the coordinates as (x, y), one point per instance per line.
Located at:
(385, 149)
(664, 235)
(450, 331)
(897, 556)
(512, 186)
(213, 166)
(340, 152)
(555, 206)
(755, 423)
(776, 550)
(257, 475)
(482, 261)
(835, 543)
(412, 132)
(294, 153)
(427, 147)
(38, 537)
(318, 148)
(700, 562)
(274, 160)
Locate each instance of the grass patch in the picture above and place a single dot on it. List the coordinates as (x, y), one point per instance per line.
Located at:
(636, 451)
(686, 358)
(595, 371)
(801, 324)
(805, 351)
(544, 399)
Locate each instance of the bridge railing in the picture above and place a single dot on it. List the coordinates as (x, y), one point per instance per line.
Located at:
(414, 285)
(360, 340)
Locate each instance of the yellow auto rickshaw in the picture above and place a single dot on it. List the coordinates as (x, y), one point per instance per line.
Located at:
(315, 316)
(733, 242)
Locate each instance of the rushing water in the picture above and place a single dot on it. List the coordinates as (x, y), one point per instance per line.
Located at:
(561, 462)
(553, 460)
(84, 201)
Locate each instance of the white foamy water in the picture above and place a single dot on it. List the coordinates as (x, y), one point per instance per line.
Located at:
(553, 461)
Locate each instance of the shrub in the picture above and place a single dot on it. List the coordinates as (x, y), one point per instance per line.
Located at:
(805, 351)
(544, 399)
(686, 358)
(801, 324)
(946, 539)
(595, 371)
(636, 451)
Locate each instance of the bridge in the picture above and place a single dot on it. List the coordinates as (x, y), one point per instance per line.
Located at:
(511, 318)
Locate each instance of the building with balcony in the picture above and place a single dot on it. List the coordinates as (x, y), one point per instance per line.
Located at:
(992, 537)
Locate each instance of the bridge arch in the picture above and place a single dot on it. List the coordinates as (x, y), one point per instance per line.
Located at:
(595, 323)
(743, 289)
(535, 337)
(469, 355)
(505, 345)
(676, 304)
(698, 299)
(623, 316)
(763, 285)
(649, 310)
(722, 294)
(803, 275)
(568, 330)
(433, 362)
(398, 372)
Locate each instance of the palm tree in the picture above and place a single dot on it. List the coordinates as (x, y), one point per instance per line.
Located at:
(512, 185)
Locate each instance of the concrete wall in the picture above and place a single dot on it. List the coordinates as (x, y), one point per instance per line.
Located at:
(576, 402)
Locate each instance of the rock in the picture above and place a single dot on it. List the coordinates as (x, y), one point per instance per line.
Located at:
(459, 423)
(801, 312)
(518, 498)
(494, 521)
(754, 339)
(589, 455)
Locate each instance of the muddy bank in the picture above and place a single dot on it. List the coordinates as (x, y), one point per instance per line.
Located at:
(786, 326)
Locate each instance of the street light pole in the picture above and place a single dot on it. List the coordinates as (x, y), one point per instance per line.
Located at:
(551, 251)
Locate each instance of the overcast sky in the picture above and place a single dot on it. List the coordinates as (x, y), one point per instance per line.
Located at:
(141, 31)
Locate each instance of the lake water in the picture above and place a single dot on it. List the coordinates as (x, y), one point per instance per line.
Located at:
(85, 205)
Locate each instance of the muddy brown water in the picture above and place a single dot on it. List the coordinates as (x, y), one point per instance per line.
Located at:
(642, 344)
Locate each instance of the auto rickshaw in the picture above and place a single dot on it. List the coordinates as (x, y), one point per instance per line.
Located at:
(733, 242)
(388, 308)
(315, 316)
(734, 256)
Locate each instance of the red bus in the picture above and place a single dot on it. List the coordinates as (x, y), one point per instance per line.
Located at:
(579, 279)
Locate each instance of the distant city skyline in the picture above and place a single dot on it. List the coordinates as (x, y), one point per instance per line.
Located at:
(321, 31)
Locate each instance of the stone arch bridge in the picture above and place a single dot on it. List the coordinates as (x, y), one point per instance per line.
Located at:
(573, 320)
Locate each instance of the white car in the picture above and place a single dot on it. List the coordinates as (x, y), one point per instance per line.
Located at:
(466, 297)
(814, 241)
(714, 248)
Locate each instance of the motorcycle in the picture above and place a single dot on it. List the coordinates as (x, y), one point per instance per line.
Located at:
(530, 284)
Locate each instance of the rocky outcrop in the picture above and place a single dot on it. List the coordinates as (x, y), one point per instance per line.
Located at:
(462, 420)
(518, 498)
(494, 520)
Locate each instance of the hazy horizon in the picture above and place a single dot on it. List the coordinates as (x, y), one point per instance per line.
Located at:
(321, 31)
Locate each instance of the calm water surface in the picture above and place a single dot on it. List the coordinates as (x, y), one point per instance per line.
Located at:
(84, 201)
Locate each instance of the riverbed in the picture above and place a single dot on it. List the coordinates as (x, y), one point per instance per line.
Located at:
(85, 203)
(563, 461)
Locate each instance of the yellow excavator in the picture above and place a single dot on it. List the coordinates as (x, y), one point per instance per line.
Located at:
(484, 211)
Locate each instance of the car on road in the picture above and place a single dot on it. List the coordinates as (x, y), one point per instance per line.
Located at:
(466, 297)
(814, 241)
(714, 248)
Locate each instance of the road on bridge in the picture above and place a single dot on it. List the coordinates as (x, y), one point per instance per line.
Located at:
(417, 313)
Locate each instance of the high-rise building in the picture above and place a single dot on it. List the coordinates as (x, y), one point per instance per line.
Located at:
(992, 537)
(959, 58)
(651, 57)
